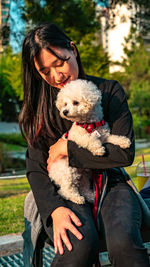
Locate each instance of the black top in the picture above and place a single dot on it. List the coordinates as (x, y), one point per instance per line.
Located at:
(118, 116)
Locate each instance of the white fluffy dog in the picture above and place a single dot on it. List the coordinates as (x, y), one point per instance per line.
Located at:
(80, 102)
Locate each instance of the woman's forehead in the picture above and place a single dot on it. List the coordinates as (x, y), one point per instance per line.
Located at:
(46, 57)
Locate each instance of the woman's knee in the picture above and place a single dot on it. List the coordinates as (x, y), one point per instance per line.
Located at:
(118, 243)
(122, 243)
(125, 250)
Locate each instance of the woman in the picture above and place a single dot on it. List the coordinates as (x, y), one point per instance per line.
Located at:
(50, 60)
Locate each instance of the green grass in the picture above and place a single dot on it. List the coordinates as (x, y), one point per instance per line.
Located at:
(13, 193)
(12, 218)
(13, 187)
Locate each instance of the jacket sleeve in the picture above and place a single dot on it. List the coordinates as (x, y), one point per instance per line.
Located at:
(118, 116)
(44, 191)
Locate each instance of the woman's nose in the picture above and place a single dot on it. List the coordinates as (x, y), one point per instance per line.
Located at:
(57, 75)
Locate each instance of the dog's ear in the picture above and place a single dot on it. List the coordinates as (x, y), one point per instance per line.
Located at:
(92, 93)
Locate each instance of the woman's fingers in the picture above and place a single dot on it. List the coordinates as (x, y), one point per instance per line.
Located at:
(75, 219)
(58, 242)
(55, 245)
(75, 232)
(59, 245)
(66, 240)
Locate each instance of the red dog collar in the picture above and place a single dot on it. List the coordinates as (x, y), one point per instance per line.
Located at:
(90, 127)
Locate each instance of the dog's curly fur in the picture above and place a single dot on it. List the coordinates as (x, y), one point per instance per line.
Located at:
(80, 101)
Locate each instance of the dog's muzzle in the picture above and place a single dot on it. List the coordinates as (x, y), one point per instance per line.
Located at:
(65, 112)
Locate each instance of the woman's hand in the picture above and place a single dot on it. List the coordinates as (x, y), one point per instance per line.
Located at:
(57, 151)
(62, 221)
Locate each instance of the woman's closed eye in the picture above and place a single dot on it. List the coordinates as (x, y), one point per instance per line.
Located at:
(61, 62)
(58, 64)
(46, 73)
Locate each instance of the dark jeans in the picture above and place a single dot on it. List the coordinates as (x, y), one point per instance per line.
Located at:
(122, 218)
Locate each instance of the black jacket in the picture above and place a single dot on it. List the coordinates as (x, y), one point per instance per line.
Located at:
(118, 116)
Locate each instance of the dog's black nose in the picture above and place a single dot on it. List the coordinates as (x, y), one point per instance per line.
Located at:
(65, 112)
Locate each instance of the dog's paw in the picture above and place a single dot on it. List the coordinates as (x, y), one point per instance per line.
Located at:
(125, 142)
(100, 151)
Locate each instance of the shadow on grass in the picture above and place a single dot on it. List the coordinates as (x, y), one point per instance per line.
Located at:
(6, 194)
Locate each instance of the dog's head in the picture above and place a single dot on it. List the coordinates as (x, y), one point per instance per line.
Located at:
(77, 99)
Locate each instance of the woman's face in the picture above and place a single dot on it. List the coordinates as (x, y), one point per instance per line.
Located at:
(55, 71)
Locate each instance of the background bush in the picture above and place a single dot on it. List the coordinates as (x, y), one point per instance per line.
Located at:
(14, 138)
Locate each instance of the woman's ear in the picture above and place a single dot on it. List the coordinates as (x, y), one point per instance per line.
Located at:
(73, 47)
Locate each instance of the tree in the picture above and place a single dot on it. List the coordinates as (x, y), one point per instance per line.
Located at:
(72, 15)
(94, 59)
(11, 85)
(76, 17)
(136, 80)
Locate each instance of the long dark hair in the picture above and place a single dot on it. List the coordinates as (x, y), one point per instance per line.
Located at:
(36, 116)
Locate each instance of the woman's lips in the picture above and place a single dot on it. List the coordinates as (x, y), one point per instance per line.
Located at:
(64, 82)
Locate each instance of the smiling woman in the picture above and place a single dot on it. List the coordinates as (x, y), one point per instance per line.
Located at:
(50, 60)
(54, 65)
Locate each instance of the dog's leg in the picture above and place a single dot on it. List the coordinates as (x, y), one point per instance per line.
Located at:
(70, 188)
(67, 178)
(75, 195)
(72, 194)
(86, 140)
(119, 140)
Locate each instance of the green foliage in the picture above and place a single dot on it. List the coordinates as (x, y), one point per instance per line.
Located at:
(140, 95)
(94, 59)
(75, 17)
(136, 80)
(10, 71)
(11, 85)
(15, 139)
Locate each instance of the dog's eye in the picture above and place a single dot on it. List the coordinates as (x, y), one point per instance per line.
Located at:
(65, 104)
(75, 103)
